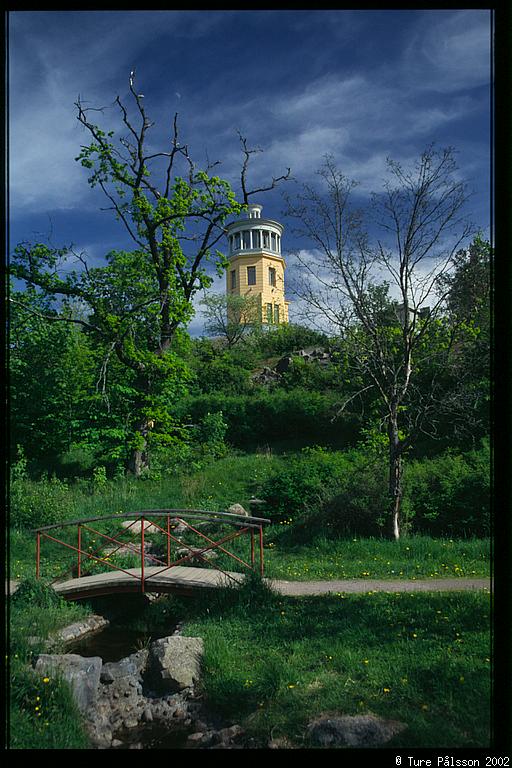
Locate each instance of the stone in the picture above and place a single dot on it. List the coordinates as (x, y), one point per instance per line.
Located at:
(226, 735)
(283, 364)
(147, 715)
(129, 669)
(176, 662)
(136, 526)
(280, 743)
(82, 674)
(237, 509)
(353, 730)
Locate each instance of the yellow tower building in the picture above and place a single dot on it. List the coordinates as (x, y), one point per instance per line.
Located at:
(256, 267)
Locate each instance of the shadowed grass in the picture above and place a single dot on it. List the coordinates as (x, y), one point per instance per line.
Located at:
(423, 659)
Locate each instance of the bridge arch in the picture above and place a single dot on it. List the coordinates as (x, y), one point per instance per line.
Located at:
(185, 537)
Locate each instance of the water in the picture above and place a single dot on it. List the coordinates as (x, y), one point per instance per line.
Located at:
(113, 643)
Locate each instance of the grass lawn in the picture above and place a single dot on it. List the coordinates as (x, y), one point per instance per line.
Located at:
(423, 659)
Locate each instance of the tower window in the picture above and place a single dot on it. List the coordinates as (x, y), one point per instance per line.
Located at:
(246, 239)
(251, 275)
(266, 238)
(237, 240)
(273, 239)
(271, 276)
(233, 279)
(255, 238)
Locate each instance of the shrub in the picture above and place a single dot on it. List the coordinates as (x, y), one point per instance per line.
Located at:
(34, 504)
(450, 494)
(306, 480)
(287, 338)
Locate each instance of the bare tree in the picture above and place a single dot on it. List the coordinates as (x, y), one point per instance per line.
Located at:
(231, 317)
(382, 298)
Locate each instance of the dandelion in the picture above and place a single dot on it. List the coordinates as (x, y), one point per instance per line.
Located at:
(386, 690)
(291, 685)
(46, 679)
(366, 661)
(424, 706)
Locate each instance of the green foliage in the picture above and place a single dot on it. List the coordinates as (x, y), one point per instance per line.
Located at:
(37, 504)
(306, 480)
(266, 417)
(212, 431)
(37, 594)
(43, 713)
(287, 338)
(450, 494)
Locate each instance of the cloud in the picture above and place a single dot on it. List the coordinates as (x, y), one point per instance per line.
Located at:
(451, 54)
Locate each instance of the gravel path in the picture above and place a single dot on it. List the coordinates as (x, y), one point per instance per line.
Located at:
(376, 585)
(298, 588)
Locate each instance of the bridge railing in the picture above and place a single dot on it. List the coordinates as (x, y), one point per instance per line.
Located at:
(171, 519)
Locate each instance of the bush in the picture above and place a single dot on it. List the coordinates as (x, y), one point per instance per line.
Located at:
(34, 504)
(450, 494)
(267, 417)
(288, 338)
(305, 482)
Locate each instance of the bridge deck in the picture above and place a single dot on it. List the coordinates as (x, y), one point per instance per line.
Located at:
(175, 579)
(187, 579)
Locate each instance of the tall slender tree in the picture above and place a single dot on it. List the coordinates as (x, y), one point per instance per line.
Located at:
(380, 295)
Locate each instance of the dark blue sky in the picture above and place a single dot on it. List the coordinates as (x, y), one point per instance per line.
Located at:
(360, 85)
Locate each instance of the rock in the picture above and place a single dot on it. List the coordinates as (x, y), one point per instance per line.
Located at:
(196, 554)
(283, 364)
(237, 509)
(136, 526)
(147, 715)
(83, 675)
(257, 503)
(226, 735)
(280, 743)
(176, 662)
(117, 743)
(129, 668)
(353, 730)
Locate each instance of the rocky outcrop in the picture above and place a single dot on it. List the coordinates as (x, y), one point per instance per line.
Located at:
(353, 730)
(152, 686)
(267, 375)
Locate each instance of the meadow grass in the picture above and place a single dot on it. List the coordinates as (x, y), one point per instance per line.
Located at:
(277, 663)
(42, 712)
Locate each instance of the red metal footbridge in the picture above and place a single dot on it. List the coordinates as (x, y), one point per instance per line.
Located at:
(165, 546)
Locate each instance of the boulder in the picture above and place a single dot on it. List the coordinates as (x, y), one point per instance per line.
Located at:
(175, 662)
(237, 509)
(353, 730)
(82, 674)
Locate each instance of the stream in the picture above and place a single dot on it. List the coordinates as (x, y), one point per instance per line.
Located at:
(119, 640)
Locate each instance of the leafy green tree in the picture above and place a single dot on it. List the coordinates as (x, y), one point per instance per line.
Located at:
(134, 305)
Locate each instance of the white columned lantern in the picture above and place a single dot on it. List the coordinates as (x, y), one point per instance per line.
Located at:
(256, 267)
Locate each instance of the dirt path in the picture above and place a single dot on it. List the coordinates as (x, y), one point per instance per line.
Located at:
(377, 585)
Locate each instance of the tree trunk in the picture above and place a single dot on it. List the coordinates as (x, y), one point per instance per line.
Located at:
(395, 479)
(139, 459)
